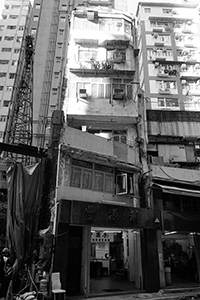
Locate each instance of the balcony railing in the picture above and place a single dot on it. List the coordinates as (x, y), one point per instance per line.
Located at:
(103, 66)
(192, 72)
(122, 139)
(164, 91)
(191, 88)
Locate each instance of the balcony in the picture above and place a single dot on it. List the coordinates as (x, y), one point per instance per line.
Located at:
(166, 73)
(190, 89)
(103, 67)
(190, 72)
(109, 44)
(90, 142)
(164, 91)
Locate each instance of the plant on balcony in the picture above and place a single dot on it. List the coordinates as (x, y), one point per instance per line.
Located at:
(107, 65)
(95, 64)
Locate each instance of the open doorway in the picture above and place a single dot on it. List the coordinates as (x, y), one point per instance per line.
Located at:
(113, 254)
(181, 254)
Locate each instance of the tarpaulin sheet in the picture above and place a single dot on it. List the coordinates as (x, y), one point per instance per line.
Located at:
(24, 200)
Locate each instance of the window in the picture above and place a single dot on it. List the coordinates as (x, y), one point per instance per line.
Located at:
(1, 27)
(6, 49)
(167, 11)
(127, 27)
(98, 181)
(21, 27)
(11, 27)
(58, 59)
(171, 102)
(56, 74)
(87, 55)
(13, 16)
(19, 39)
(168, 102)
(86, 90)
(4, 61)
(55, 90)
(37, 6)
(11, 75)
(159, 52)
(6, 103)
(121, 184)
(158, 24)
(108, 183)
(147, 9)
(1, 87)
(61, 31)
(62, 19)
(60, 45)
(4, 17)
(33, 31)
(9, 38)
(87, 179)
(75, 177)
(2, 118)
(91, 176)
(112, 25)
(16, 50)
(14, 63)
(166, 85)
(9, 89)
(2, 74)
(15, 6)
(161, 102)
(35, 18)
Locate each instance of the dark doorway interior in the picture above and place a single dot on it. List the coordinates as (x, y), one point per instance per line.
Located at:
(74, 260)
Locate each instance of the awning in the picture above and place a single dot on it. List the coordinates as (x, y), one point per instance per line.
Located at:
(178, 191)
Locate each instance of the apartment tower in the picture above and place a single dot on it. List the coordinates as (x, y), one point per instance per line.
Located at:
(169, 71)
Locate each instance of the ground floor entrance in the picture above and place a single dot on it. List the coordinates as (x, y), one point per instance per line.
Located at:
(115, 260)
(181, 254)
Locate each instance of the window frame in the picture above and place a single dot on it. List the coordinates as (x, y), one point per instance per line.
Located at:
(92, 184)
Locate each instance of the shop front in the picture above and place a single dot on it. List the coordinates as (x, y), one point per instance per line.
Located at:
(98, 247)
(180, 235)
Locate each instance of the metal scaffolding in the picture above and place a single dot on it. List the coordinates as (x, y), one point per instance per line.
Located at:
(19, 125)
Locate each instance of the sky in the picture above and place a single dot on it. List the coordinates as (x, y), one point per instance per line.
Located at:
(1, 5)
(132, 4)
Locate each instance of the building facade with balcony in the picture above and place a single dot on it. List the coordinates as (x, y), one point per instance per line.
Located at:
(102, 233)
(168, 36)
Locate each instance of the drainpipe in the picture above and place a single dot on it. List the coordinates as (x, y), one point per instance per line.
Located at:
(55, 208)
(54, 217)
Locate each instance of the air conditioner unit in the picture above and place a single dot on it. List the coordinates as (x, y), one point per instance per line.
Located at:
(83, 93)
(121, 184)
(118, 94)
(90, 15)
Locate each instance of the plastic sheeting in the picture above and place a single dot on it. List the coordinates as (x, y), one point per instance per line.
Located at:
(24, 201)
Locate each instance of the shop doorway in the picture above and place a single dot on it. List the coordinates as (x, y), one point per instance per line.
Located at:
(181, 254)
(114, 261)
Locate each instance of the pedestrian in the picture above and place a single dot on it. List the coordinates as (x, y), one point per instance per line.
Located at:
(5, 271)
(192, 268)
